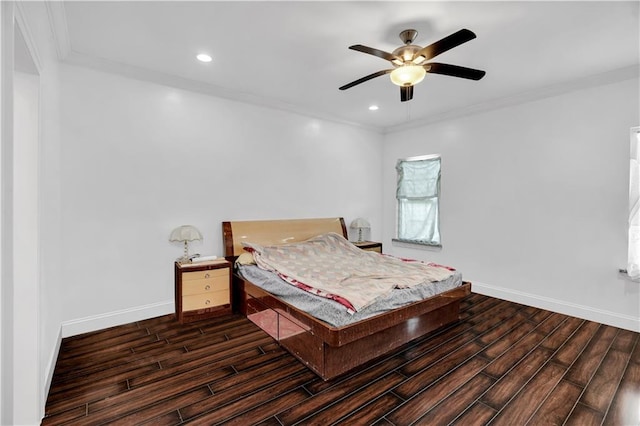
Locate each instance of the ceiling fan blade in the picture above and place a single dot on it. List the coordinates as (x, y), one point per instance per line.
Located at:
(366, 78)
(454, 71)
(375, 52)
(447, 43)
(406, 93)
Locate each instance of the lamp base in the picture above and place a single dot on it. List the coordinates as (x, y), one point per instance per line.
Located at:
(185, 256)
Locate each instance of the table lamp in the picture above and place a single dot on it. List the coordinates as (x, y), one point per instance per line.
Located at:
(185, 233)
(360, 224)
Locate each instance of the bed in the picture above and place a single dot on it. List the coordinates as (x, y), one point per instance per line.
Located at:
(330, 350)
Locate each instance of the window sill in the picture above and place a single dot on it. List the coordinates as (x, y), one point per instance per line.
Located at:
(416, 243)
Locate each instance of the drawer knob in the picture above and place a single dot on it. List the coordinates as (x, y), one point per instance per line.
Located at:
(206, 275)
(207, 302)
(207, 287)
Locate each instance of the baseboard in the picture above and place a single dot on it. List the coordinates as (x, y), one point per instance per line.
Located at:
(111, 319)
(614, 319)
(51, 366)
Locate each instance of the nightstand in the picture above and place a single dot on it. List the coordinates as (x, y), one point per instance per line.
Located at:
(368, 245)
(203, 290)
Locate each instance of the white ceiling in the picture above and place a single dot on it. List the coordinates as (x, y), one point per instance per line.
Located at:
(294, 55)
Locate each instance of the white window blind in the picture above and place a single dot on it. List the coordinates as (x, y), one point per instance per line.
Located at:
(417, 195)
(633, 262)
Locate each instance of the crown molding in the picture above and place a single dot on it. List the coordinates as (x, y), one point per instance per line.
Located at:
(58, 21)
(57, 18)
(608, 77)
(144, 74)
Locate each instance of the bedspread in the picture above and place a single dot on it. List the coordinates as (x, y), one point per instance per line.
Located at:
(328, 265)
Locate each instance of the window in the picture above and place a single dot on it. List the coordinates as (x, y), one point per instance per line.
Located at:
(417, 196)
(633, 263)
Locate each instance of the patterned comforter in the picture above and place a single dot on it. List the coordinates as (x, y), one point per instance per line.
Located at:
(330, 266)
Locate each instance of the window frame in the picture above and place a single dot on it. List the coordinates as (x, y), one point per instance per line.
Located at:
(435, 244)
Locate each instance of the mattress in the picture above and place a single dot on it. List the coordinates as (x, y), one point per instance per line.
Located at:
(334, 313)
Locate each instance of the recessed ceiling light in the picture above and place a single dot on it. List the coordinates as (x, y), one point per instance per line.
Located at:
(373, 108)
(203, 57)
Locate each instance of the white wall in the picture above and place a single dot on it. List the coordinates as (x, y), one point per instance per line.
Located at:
(6, 211)
(20, 401)
(52, 289)
(31, 316)
(26, 390)
(534, 200)
(139, 159)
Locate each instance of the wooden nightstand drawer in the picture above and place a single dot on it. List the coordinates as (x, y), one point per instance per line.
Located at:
(203, 275)
(218, 283)
(205, 300)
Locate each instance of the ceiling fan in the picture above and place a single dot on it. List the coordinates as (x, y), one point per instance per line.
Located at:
(410, 61)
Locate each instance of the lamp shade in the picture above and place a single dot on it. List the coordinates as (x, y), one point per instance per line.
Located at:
(360, 223)
(185, 233)
(407, 75)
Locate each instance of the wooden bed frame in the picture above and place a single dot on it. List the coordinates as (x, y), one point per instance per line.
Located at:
(328, 351)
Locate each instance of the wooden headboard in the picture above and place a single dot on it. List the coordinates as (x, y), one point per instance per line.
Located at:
(274, 232)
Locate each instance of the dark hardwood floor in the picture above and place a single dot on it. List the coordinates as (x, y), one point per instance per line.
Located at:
(501, 364)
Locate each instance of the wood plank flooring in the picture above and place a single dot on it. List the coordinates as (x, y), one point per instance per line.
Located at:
(501, 364)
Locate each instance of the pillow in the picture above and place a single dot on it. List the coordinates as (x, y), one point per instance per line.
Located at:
(245, 259)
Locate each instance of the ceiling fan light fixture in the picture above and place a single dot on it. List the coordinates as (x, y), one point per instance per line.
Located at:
(411, 63)
(419, 59)
(407, 75)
